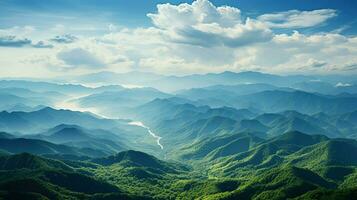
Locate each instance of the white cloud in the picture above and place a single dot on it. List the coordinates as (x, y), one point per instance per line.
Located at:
(198, 38)
(297, 19)
(203, 24)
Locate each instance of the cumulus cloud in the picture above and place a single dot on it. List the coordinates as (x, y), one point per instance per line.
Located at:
(201, 23)
(13, 41)
(67, 38)
(297, 19)
(79, 57)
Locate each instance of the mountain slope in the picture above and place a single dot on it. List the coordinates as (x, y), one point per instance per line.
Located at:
(46, 118)
(279, 184)
(268, 154)
(220, 146)
(28, 161)
(135, 159)
(50, 179)
(19, 145)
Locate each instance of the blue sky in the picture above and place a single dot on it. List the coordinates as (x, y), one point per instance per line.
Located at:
(133, 13)
(51, 37)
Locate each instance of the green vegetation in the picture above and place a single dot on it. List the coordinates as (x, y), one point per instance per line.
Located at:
(257, 141)
(293, 165)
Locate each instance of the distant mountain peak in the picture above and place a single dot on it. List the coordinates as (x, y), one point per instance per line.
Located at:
(47, 109)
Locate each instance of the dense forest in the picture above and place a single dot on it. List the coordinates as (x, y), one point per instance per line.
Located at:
(260, 141)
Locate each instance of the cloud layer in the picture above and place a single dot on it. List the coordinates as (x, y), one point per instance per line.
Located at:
(13, 41)
(297, 19)
(190, 38)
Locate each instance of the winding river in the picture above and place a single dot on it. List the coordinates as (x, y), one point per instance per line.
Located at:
(69, 104)
(158, 138)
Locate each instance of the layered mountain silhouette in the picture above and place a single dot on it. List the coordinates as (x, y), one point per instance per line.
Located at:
(228, 135)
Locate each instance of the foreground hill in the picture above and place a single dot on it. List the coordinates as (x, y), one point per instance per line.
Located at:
(25, 176)
(236, 166)
(28, 161)
(293, 165)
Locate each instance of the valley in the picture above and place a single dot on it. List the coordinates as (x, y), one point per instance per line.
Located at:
(158, 138)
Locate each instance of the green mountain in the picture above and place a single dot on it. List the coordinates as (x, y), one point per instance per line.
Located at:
(133, 158)
(28, 161)
(279, 184)
(267, 154)
(34, 146)
(140, 173)
(335, 152)
(180, 124)
(293, 165)
(221, 146)
(76, 136)
(233, 166)
(221, 136)
(251, 126)
(320, 124)
(31, 177)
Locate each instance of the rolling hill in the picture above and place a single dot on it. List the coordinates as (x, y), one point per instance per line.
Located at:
(50, 179)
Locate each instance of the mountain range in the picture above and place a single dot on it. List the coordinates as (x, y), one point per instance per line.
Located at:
(139, 135)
